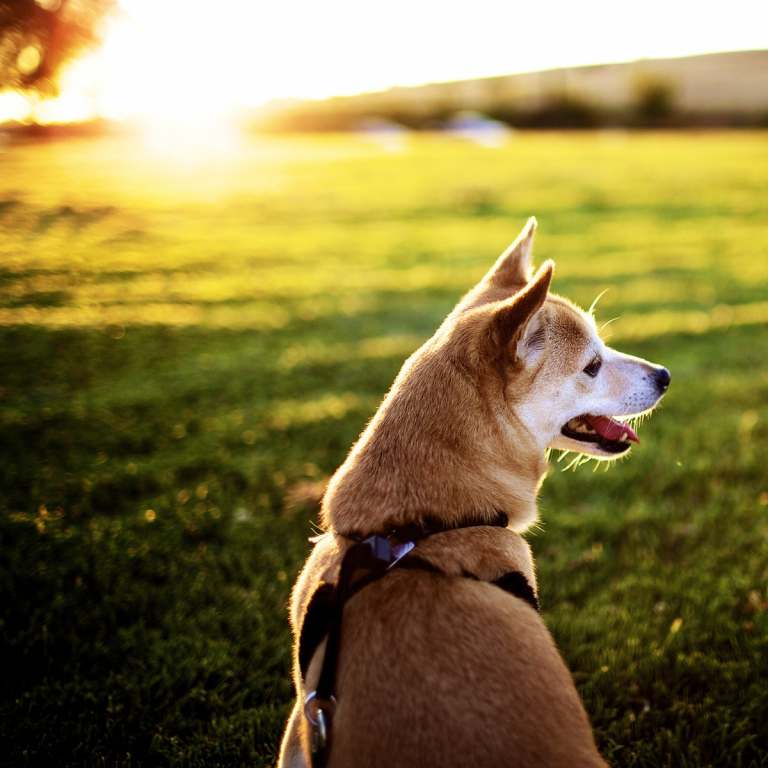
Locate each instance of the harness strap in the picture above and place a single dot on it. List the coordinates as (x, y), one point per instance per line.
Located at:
(430, 525)
(317, 619)
(516, 584)
(363, 563)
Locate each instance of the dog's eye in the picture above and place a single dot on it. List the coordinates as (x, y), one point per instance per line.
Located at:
(593, 367)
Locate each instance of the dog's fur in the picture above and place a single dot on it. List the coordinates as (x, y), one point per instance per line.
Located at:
(437, 669)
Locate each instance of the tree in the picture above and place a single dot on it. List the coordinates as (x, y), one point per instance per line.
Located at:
(38, 36)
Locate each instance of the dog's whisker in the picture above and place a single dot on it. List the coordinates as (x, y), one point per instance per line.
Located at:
(585, 459)
(573, 463)
(591, 310)
(604, 326)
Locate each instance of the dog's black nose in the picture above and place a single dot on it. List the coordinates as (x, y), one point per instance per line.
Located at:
(663, 377)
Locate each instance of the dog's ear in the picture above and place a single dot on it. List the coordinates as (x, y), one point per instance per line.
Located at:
(510, 322)
(513, 267)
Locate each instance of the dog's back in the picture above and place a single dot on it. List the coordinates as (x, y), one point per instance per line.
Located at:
(440, 669)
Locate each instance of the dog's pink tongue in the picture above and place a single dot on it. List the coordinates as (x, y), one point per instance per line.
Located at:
(610, 428)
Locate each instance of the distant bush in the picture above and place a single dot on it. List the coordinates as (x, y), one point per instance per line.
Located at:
(559, 112)
(653, 104)
(345, 114)
(654, 101)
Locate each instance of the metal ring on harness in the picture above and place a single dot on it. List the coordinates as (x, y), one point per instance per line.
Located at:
(322, 708)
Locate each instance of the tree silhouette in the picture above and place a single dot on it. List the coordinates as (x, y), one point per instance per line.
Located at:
(38, 36)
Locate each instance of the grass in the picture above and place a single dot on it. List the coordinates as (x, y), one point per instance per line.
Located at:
(189, 346)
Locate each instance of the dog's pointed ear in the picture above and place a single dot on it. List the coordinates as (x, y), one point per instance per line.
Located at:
(513, 267)
(509, 323)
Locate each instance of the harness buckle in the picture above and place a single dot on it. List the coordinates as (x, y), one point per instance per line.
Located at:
(385, 551)
(399, 551)
(324, 709)
(320, 742)
(381, 548)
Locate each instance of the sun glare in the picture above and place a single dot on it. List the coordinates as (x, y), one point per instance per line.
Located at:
(181, 68)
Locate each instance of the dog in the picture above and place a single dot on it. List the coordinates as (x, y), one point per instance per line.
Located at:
(433, 654)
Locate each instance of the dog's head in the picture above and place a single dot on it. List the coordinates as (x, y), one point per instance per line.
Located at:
(559, 379)
(512, 371)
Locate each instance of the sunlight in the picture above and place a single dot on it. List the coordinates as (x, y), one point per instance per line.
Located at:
(176, 64)
(13, 106)
(79, 83)
(166, 133)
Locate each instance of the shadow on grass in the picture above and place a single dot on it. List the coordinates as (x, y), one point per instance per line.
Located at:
(155, 513)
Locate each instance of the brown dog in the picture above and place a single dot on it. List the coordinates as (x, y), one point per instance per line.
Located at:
(443, 663)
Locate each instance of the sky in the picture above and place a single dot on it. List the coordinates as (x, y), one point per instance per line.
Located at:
(196, 60)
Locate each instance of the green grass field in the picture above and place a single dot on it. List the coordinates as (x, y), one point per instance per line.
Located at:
(189, 346)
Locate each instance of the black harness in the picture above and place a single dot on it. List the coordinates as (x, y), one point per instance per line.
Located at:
(364, 562)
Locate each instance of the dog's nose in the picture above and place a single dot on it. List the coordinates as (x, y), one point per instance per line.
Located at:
(663, 377)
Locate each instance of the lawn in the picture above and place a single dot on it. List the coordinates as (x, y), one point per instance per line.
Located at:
(189, 345)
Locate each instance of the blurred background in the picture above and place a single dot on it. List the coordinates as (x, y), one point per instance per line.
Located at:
(224, 227)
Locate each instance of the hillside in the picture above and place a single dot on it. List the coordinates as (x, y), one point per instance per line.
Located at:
(713, 89)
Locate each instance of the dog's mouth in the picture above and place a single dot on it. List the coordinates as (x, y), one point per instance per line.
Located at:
(611, 435)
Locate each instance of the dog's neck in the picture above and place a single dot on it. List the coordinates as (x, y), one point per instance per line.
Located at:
(437, 450)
